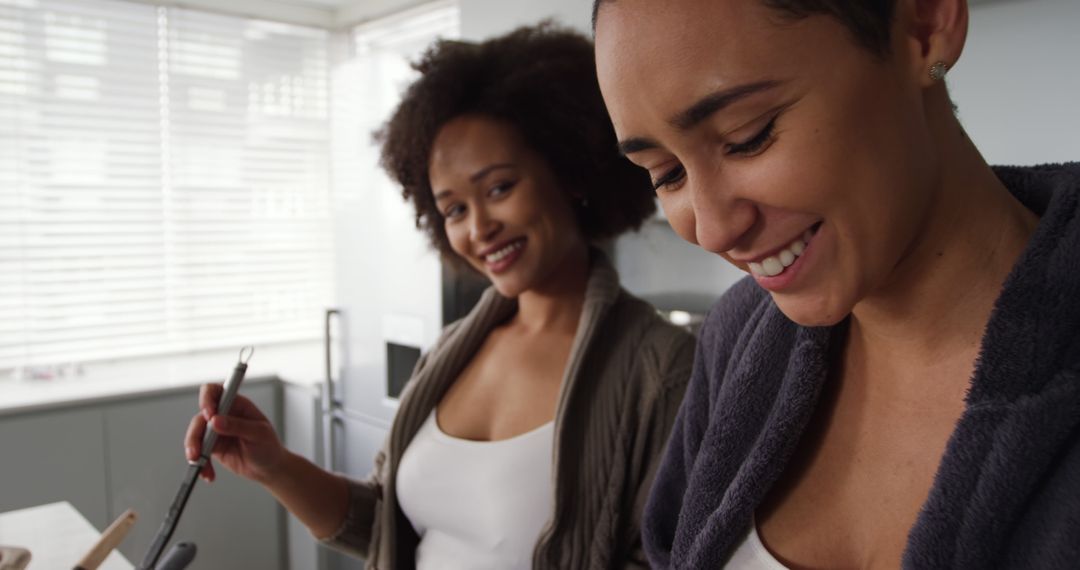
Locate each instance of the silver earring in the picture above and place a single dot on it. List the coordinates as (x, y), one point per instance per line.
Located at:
(938, 70)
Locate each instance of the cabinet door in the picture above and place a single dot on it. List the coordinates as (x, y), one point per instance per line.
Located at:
(358, 442)
(54, 456)
(302, 435)
(233, 522)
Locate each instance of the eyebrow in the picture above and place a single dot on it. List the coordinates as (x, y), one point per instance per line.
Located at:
(716, 102)
(476, 177)
(480, 174)
(702, 109)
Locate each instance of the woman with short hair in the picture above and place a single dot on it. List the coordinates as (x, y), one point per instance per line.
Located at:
(897, 382)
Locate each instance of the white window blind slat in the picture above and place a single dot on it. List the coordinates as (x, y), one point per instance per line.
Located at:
(163, 181)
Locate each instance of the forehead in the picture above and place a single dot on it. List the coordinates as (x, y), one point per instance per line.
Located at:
(471, 142)
(653, 58)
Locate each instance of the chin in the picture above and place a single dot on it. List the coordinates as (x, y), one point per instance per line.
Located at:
(810, 311)
(508, 286)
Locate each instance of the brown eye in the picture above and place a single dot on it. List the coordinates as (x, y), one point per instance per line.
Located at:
(756, 143)
(500, 189)
(453, 211)
(669, 179)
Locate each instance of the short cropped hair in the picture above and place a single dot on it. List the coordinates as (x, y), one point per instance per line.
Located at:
(542, 81)
(868, 21)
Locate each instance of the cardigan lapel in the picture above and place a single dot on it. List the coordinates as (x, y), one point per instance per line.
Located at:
(443, 365)
(458, 347)
(464, 339)
(601, 292)
(433, 377)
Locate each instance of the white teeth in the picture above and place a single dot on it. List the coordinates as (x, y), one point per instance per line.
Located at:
(774, 265)
(500, 254)
(787, 257)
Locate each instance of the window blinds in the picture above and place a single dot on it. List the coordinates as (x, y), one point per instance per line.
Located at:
(163, 181)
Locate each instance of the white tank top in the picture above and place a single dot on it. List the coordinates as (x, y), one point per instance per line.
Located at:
(476, 505)
(751, 554)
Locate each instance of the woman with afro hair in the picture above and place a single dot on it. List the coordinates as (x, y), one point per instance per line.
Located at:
(529, 435)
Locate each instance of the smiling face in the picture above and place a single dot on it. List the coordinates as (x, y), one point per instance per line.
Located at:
(779, 144)
(503, 209)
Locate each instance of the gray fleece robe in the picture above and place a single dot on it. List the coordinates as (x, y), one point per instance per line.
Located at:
(1007, 491)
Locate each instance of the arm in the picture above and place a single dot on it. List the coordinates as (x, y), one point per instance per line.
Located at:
(249, 447)
(338, 511)
(318, 498)
(358, 525)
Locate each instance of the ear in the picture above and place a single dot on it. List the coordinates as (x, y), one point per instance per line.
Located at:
(935, 31)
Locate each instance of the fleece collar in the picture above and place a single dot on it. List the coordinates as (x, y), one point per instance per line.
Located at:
(1023, 404)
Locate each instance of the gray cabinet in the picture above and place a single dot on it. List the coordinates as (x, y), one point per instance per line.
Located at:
(54, 456)
(234, 523)
(105, 457)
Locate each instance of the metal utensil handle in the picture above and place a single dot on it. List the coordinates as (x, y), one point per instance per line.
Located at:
(224, 405)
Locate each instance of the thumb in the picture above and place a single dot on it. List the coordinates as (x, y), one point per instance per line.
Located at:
(248, 430)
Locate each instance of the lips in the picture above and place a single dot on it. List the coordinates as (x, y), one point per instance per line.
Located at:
(778, 262)
(503, 251)
(498, 258)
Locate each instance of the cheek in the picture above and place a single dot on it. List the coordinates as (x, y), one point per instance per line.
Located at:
(458, 236)
(543, 208)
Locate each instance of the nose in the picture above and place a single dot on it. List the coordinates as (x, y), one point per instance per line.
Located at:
(719, 217)
(482, 224)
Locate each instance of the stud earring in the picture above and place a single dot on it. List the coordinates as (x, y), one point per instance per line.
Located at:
(938, 70)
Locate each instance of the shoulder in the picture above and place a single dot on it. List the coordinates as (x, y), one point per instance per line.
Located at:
(637, 332)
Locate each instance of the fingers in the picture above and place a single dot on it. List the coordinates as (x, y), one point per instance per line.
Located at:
(255, 431)
(193, 445)
(209, 395)
(194, 436)
(245, 408)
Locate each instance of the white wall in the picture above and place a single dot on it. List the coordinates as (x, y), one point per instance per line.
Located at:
(481, 19)
(1018, 82)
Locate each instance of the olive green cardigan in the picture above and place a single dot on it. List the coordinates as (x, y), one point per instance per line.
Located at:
(624, 380)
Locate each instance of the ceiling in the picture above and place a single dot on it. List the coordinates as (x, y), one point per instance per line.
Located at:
(321, 13)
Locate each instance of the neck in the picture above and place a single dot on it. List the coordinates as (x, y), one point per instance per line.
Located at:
(555, 305)
(937, 304)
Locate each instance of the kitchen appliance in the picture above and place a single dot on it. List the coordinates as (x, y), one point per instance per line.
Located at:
(388, 307)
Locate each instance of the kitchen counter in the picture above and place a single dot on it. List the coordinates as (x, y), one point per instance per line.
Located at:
(294, 364)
